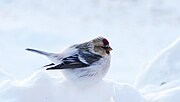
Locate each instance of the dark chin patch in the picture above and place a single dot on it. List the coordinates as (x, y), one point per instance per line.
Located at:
(105, 42)
(108, 52)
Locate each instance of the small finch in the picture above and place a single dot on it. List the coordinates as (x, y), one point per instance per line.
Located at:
(85, 61)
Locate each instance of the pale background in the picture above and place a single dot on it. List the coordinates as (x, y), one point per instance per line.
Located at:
(137, 31)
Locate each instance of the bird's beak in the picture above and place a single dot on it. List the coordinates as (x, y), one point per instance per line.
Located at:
(108, 48)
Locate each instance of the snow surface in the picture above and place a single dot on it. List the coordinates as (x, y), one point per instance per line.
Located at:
(42, 87)
(163, 70)
(160, 80)
(169, 95)
(5, 76)
(136, 29)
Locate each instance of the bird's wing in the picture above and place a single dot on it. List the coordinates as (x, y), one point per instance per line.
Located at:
(80, 60)
(69, 63)
(89, 57)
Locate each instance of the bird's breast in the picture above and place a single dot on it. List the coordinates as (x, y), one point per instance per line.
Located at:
(94, 72)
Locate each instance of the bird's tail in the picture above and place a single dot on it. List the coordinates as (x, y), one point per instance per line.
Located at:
(39, 52)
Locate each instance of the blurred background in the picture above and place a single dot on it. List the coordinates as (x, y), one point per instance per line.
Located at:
(137, 31)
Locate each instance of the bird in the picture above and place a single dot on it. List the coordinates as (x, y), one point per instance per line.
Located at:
(87, 61)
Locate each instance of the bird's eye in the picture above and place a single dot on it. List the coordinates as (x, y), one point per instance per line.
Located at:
(104, 47)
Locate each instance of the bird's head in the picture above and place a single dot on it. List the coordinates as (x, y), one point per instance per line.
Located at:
(101, 46)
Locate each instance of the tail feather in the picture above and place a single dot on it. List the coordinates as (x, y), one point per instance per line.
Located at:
(39, 52)
(52, 64)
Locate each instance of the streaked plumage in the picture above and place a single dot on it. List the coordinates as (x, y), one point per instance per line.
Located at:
(86, 61)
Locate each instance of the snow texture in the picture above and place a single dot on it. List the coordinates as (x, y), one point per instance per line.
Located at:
(163, 70)
(160, 80)
(4, 76)
(42, 87)
(136, 30)
(169, 95)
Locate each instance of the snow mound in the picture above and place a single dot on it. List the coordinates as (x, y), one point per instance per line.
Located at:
(4, 76)
(169, 95)
(43, 87)
(160, 80)
(163, 72)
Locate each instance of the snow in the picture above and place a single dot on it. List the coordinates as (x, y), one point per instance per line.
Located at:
(136, 29)
(169, 95)
(43, 87)
(5, 76)
(163, 70)
(160, 80)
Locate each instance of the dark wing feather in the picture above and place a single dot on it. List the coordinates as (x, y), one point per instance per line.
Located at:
(72, 62)
(69, 63)
(89, 57)
(52, 64)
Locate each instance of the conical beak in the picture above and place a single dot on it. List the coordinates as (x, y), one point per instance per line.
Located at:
(108, 48)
